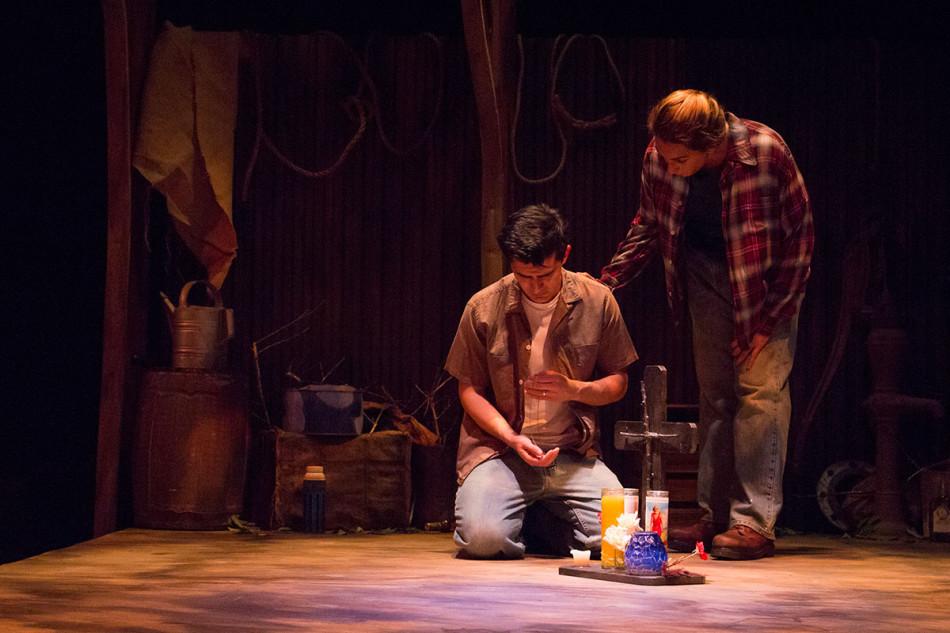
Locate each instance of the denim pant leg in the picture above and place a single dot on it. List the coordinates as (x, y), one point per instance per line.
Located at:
(761, 432)
(572, 492)
(709, 298)
(490, 506)
(744, 415)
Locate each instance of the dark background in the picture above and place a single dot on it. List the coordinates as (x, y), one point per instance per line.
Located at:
(389, 247)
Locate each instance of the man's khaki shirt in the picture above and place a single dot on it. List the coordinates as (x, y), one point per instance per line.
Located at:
(493, 344)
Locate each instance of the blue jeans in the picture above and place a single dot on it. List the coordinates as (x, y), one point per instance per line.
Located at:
(490, 504)
(744, 415)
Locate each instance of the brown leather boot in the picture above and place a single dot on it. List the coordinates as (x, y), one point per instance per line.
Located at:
(684, 539)
(740, 542)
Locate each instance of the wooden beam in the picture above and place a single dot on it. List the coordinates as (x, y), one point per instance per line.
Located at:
(489, 31)
(129, 28)
(118, 222)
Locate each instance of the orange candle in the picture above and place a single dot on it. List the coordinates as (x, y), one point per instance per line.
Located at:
(611, 507)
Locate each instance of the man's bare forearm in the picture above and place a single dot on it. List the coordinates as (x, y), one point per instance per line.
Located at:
(484, 413)
(606, 390)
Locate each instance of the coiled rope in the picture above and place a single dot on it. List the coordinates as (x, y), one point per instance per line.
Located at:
(562, 117)
(374, 99)
(351, 105)
(357, 107)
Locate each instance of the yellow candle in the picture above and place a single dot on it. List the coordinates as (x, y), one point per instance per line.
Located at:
(611, 507)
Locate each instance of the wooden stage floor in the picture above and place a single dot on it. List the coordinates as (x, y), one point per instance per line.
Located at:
(148, 580)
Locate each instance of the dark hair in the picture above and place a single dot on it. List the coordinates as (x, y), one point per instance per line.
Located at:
(534, 233)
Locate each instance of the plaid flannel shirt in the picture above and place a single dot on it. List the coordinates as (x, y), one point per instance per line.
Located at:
(767, 225)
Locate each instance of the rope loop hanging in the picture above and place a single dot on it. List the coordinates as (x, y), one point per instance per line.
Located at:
(517, 116)
(563, 119)
(355, 108)
(374, 99)
(558, 106)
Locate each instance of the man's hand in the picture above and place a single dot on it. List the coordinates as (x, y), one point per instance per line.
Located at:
(551, 385)
(491, 421)
(745, 358)
(532, 454)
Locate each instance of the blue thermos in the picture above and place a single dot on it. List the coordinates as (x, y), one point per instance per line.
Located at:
(314, 499)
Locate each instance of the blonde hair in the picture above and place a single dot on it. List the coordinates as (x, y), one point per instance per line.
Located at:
(688, 117)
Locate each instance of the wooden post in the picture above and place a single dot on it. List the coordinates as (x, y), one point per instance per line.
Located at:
(128, 30)
(489, 32)
(119, 220)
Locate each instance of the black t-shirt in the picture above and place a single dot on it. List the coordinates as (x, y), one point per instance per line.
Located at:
(703, 214)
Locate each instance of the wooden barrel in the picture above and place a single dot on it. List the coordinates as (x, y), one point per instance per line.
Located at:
(190, 450)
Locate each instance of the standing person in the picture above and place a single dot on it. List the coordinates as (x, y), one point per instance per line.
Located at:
(723, 202)
(525, 356)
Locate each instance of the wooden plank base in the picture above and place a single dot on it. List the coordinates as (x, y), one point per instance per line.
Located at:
(676, 577)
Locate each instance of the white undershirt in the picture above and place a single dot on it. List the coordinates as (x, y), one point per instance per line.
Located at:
(545, 421)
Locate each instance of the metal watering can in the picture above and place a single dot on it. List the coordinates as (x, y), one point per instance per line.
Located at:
(199, 333)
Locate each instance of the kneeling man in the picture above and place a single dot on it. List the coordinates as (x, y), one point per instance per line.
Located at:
(535, 353)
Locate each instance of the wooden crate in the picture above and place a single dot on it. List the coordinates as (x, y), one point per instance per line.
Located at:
(933, 484)
(369, 481)
(681, 471)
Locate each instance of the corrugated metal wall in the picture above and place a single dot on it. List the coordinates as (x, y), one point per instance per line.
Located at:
(387, 249)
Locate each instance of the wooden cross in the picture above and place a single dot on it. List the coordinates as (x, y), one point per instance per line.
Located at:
(654, 435)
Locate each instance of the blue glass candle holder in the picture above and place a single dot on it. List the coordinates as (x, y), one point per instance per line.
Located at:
(645, 554)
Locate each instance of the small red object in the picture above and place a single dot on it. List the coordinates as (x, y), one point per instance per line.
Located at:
(701, 550)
